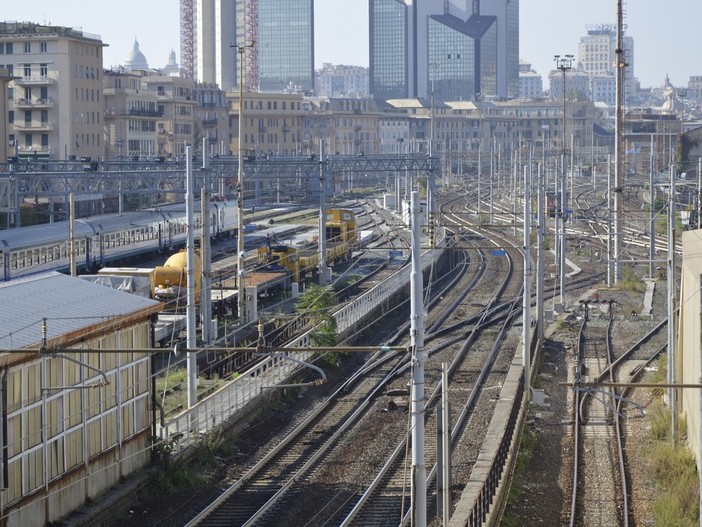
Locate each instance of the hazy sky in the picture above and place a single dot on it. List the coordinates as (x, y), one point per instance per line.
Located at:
(664, 32)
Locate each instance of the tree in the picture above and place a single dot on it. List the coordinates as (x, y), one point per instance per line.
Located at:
(317, 303)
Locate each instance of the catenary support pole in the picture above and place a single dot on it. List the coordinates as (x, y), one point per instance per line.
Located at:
(541, 269)
(322, 238)
(190, 263)
(526, 300)
(651, 213)
(419, 486)
(672, 393)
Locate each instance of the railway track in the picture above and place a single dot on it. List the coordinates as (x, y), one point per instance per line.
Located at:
(322, 436)
(600, 485)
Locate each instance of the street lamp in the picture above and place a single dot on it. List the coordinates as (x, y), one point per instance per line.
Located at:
(241, 304)
(564, 64)
(431, 187)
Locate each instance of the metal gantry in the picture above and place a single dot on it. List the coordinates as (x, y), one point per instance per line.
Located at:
(57, 179)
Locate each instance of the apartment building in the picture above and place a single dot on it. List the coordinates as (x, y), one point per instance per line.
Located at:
(211, 119)
(131, 114)
(175, 125)
(272, 124)
(58, 80)
(338, 80)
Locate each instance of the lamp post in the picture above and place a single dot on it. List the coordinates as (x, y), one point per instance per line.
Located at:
(241, 300)
(564, 64)
(431, 187)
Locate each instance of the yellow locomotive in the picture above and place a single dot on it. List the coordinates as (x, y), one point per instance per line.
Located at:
(341, 239)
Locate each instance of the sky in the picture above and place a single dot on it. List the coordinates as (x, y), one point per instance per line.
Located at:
(663, 32)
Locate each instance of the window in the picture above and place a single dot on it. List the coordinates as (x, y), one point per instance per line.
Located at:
(44, 140)
(28, 140)
(43, 70)
(11, 139)
(27, 47)
(8, 48)
(11, 116)
(44, 116)
(43, 47)
(10, 94)
(44, 93)
(28, 117)
(27, 70)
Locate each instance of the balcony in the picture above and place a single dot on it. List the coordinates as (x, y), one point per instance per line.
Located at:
(32, 150)
(208, 123)
(34, 103)
(21, 126)
(145, 113)
(39, 80)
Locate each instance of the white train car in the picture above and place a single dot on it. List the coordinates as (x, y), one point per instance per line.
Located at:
(45, 247)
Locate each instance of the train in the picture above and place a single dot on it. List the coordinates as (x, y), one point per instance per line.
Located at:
(168, 282)
(98, 239)
(341, 239)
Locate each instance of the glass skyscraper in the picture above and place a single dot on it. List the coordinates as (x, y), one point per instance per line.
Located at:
(285, 45)
(463, 47)
(462, 57)
(389, 49)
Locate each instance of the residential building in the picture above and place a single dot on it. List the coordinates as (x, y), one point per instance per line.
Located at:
(39, 56)
(273, 123)
(603, 88)
(597, 55)
(341, 81)
(7, 149)
(131, 114)
(211, 120)
(530, 82)
(76, 421)
(175, 105)
(577, 84)
(458, 49)
(694, 88)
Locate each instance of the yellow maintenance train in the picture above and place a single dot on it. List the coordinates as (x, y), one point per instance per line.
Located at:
(341, 239)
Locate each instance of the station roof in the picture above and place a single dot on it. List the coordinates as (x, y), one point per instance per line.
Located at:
(73, 309)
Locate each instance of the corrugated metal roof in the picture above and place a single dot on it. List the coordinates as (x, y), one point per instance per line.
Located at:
(69, 304)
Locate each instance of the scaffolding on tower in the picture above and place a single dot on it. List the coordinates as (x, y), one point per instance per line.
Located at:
(187, 42)
(251, 55)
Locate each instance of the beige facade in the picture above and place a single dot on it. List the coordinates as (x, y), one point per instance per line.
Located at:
(6, 149)
(689, 350)
(273, 123)
(56, 105)
(175, 104)
(211, 119)
(131, 114)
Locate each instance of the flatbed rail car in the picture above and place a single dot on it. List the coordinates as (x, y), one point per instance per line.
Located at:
(98, 239)
(342, 239)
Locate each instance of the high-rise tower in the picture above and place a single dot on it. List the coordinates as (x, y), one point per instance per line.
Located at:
(282, 32)
(285, 45)
(457, 48)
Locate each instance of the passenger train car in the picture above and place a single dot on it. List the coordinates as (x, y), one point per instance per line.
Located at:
(100, 238)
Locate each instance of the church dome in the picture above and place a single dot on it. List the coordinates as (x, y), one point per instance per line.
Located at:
(136, 60)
